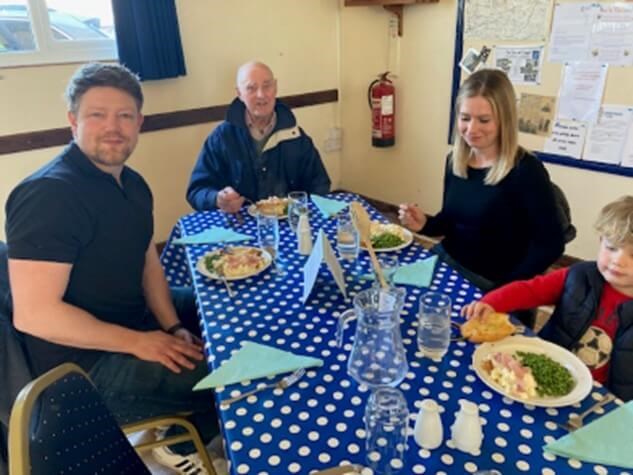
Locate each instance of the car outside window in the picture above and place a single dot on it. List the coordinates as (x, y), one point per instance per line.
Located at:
(45, 31)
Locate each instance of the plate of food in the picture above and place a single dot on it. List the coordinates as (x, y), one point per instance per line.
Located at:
(236, 263)
(532, 371)
(387, 237)
(273, 205)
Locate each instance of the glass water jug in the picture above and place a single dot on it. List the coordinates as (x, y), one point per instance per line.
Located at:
(378, 357)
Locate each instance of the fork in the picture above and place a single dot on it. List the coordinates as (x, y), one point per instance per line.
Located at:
(219, 270)
(576, 421)
(283, 383)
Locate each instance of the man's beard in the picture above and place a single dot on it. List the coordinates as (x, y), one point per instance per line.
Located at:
(110, 156)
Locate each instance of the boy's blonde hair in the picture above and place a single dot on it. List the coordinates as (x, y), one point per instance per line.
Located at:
(494, 86)
(615, 222)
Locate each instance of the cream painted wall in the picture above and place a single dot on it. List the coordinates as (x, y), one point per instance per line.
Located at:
(413, 169)
(299, 40)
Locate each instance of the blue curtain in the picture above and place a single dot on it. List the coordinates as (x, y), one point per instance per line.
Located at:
(148, 38)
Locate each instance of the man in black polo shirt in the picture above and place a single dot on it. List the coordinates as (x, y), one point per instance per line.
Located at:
(86, 279)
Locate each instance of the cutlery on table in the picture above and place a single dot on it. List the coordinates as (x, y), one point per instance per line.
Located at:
(282, 383)
(363, 223)
(220, 272)
(576, 421)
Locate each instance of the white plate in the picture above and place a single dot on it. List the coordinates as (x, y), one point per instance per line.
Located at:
(408, 239)
(212, 275)
(252, 210)
(511, 345)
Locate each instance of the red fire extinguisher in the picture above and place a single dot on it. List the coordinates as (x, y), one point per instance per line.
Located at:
(381, 96)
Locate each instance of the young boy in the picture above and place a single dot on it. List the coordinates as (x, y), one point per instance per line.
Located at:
(594, 302)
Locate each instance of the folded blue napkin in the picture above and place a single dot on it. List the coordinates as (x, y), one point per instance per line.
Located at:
(606, 440)
(253, 361)
(211, 236)
(327, 206)
(418, 274)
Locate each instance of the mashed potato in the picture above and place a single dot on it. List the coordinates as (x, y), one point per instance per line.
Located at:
(507, 372)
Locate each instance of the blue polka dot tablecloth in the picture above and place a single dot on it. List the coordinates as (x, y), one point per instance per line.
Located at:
(318, 422)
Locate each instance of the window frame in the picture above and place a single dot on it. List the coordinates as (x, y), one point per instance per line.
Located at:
(51, 51)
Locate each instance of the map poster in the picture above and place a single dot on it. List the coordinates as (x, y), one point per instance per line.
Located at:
(536, 114)
(513, 20)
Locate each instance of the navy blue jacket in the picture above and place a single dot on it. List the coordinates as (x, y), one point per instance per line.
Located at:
(289, 161)
(575, 311)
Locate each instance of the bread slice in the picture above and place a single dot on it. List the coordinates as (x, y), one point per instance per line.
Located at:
(491, 327)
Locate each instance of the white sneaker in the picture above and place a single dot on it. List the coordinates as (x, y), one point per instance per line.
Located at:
(183, 464)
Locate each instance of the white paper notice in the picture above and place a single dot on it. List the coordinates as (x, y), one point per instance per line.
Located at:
(612, 35)
(568, 138)
(606, 138)
(322, 250)
(522, 64)
(570, 38)
(581, 91)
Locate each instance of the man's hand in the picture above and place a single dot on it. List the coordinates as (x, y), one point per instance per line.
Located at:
(476, 310)
(412, 217)
(173, 352)
(229, 200)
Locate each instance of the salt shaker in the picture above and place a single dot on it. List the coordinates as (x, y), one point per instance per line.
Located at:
(466, 432)
(304, 235)
(428, 431)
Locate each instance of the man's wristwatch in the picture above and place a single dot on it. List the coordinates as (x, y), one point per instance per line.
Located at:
(174, 328)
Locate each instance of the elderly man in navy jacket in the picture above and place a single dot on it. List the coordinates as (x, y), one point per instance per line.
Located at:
(257, 152)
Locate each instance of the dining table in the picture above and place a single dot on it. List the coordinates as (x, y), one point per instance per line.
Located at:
(318, 422)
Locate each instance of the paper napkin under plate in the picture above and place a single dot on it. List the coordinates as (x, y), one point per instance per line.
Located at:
(418, 274)
(327, 206)
(606, 440)
(211, 236)
(252, 361)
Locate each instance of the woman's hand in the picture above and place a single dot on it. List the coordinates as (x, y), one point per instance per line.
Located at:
(476, 310)
(412, 217)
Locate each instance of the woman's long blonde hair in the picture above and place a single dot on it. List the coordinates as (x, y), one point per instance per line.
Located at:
(494, 86)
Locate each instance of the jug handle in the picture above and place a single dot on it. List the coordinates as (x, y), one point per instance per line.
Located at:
(342, 320)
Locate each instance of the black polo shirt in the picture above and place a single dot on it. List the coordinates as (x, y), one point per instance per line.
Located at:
(70, 211)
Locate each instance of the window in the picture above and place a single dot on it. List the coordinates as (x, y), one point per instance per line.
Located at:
(55, 31)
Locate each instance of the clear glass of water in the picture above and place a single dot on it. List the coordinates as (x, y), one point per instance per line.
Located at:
(347, 237)
(268, 236)
(386, 425)
(297, 205)
(389, 265)
(434, 324)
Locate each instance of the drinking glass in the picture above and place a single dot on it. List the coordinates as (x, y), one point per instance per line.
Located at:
(434, 324)
(389, 266)
(386, 424)
(268, 236)
(297, 205)
(347, 237)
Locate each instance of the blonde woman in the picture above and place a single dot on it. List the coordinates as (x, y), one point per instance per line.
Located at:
(498, 218)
